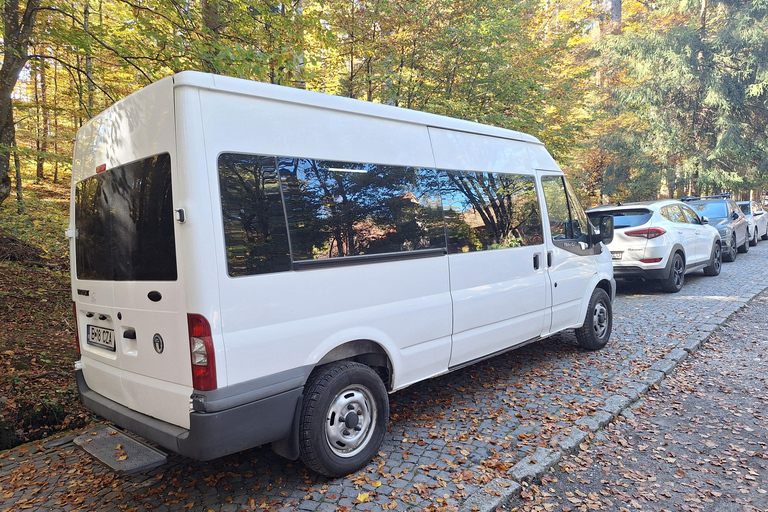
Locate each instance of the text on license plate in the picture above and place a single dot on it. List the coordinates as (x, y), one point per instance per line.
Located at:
(101, 337)
(616, 255)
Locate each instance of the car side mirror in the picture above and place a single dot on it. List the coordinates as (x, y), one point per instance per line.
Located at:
(704, 220)
(605, 234)
(734, 215)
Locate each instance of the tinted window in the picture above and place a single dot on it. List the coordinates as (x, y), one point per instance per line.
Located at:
(124, 219)
(567, 220)
(745, 208)
(490, 211)
(628, 218)
(254, 223)
(712, 210)
(673, 213)
(690, 215)
(341, 209)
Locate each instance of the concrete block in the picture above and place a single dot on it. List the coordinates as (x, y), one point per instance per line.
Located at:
(492, 496)
(534, 465)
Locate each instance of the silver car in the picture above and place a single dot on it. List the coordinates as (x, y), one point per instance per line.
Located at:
(757, 219)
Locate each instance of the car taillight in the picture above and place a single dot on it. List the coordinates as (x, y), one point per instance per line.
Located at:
(648, 233)
(77, 330)
(651, 260)
(201, 349)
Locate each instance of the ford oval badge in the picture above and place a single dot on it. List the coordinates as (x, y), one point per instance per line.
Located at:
(157, 342)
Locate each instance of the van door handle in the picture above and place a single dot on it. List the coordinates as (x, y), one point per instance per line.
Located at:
(549, 258)
(536, 262)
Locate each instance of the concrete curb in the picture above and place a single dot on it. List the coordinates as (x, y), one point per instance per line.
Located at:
(535, 465)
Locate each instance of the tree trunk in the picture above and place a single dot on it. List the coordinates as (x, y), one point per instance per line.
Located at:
(18, 28)
(616, 16)
(19, 196)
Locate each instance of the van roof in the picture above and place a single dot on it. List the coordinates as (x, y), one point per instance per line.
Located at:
(328, 101)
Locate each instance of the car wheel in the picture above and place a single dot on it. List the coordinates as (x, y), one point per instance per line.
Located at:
(594, 333)
(731, 254)
(343, 418)
(753, 240)
(715, 263)
(674, 283)
(744, 248)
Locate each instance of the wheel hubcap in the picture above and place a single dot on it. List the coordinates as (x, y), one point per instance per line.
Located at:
(600, 320)
(350, 421)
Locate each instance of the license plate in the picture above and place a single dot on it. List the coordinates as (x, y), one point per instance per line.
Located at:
(101, 337)
(616, 255)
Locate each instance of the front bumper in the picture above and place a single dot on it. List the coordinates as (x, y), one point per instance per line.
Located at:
(211, 434)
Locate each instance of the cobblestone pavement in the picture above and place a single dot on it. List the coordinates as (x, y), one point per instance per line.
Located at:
(462, 441)
(697, 443)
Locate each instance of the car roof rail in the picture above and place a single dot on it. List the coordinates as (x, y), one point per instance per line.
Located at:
(725, 195)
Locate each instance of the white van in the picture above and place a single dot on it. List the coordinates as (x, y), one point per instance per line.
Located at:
(259, 264)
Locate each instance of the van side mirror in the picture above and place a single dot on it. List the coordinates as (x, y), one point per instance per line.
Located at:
(605, 227)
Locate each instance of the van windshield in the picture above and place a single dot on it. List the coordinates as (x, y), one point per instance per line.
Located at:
(124, 221)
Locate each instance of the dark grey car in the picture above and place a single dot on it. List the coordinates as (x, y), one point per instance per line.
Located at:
(725, 215)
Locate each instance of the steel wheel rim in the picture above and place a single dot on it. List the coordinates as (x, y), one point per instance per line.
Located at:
(678, 271)
(350, 421)
(600, 319)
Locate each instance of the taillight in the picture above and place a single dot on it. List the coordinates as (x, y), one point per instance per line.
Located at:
(651, 260)
(77, 331)
(201, 349)
(648, 233)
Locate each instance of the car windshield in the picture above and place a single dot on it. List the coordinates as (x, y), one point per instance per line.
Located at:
(713, 210)
(745, 208)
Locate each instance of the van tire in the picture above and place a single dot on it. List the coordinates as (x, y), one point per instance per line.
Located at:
(336, 446)
(596, 331)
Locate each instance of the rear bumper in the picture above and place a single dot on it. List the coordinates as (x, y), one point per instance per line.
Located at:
(634, 272)
(211, 434)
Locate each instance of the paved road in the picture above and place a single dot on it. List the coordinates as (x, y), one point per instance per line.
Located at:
(458, 442)
(698, 443)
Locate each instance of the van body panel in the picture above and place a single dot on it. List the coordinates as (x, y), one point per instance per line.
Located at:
(495, 293)
(461, 151)
(460, 289)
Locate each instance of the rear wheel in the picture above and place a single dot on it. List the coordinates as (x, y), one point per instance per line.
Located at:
(594, 333)
(744, 248)
(716, 263)
(731, 254)
(674, 283)
(343, 418)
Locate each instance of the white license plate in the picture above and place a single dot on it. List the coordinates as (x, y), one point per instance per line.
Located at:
(101, 337)
(616, 255)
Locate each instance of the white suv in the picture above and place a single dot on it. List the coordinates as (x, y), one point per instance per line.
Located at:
(661, 240)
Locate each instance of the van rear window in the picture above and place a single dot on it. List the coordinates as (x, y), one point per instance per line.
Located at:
(124, 221)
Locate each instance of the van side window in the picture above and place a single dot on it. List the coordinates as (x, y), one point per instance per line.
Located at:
(490, 210)
(567, 220)
(343, 209)
(254, 223)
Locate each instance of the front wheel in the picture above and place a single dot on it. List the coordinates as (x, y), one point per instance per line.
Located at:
(753, 240)
(594, 333)
(343, 418)
(674, 283)
(716, 263)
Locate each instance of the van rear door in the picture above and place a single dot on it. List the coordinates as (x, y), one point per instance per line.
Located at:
(131, 312)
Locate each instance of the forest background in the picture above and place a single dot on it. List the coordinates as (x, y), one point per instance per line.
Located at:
(636, 100)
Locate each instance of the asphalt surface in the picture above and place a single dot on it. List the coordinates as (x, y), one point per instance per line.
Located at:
(464, 441)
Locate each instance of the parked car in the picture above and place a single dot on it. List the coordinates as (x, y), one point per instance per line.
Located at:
(725, 215)
(757, 219)
(662, 241)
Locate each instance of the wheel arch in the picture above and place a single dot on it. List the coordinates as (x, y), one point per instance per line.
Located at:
(363, 351)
